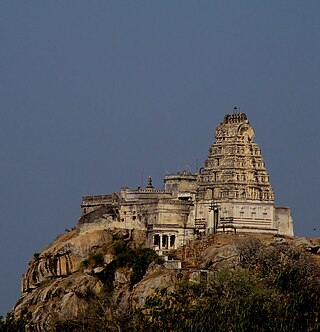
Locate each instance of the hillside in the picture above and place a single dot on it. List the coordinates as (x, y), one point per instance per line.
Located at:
(106, 280)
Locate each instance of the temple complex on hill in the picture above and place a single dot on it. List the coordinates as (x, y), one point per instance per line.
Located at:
(231, 193)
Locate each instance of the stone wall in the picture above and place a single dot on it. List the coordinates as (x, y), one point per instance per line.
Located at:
(184, 182)
(283, 220)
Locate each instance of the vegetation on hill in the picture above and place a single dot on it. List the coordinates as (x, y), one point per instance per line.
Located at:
(277, 288)
(272, 287)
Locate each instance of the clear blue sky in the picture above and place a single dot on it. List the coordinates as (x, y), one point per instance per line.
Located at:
(93, 93)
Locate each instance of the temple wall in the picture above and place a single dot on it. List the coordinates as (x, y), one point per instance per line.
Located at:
(284, 220)
(181, 183)
(134, 195)
(248, 217)
(248, 212)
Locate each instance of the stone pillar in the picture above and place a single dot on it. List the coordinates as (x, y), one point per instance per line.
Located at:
(164, 241)
(210, 224)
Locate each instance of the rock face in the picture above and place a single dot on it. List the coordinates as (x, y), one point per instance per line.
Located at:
(62, 258)
(67, 278)
(56, 283)
(157, 277)
(220, 258)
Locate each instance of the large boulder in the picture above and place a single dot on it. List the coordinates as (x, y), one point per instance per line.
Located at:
(217, 258)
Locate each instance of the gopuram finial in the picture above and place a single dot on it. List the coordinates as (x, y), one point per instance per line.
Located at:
(235, 117)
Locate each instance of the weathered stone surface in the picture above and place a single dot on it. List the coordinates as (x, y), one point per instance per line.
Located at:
(108, 258)
(98, 270)
(53, 278)
(60, 297)
(121, 277)
(72, 303)
(49, 266)
(303, 242)
(158, 278)
(63, 257)
(312, 245)
(220, 258)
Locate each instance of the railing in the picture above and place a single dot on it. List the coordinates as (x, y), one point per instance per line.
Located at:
(97, 197)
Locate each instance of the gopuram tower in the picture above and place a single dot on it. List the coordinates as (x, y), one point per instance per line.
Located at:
(234, 191)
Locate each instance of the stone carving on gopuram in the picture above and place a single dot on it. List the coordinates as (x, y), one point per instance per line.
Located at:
(231, 193)
(234, 179)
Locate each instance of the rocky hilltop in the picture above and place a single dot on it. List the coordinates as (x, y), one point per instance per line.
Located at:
(61, 281)
(112, 269)
(104, 276)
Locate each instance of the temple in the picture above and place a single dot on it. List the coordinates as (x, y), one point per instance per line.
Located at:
(231, 193)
